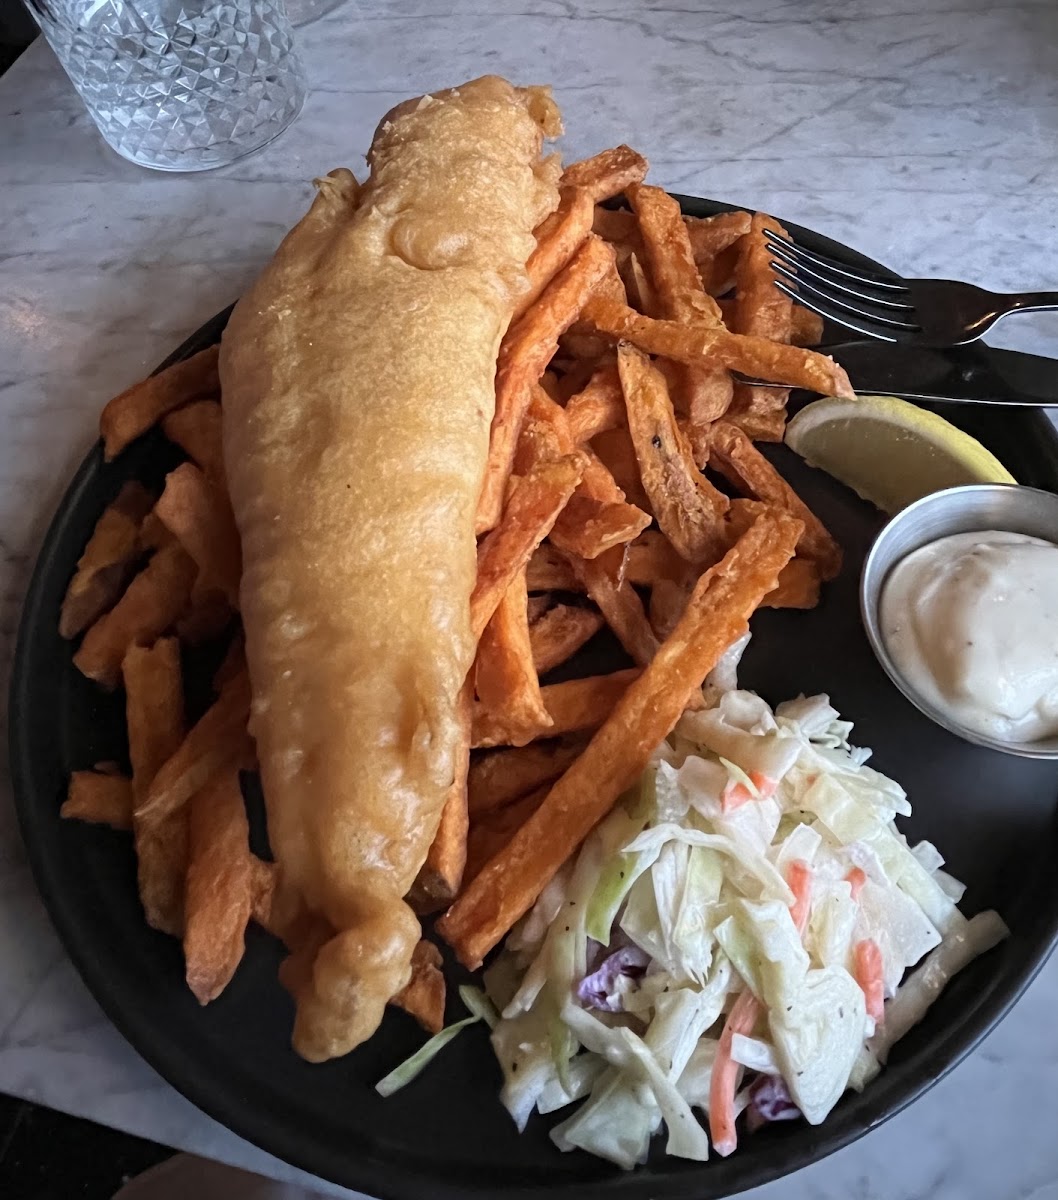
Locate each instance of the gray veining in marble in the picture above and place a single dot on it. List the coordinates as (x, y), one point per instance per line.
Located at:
(922, 132)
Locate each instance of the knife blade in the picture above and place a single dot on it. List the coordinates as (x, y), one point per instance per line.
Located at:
(974, 374)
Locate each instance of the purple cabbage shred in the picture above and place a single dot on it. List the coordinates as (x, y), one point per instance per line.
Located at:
(605, 987)
(770, 1101)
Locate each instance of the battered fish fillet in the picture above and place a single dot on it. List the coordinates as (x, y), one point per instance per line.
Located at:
(358, 384)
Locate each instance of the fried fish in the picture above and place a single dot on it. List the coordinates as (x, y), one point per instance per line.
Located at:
(358, 388)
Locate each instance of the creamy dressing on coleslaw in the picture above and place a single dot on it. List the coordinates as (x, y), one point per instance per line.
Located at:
(971, 622)
(709, 950)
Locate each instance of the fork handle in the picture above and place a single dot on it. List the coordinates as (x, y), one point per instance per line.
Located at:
(1032, 302)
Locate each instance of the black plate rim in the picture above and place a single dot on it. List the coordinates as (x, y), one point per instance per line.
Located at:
(369, 1172)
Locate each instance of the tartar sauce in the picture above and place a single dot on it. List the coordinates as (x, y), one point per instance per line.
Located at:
(971, 622)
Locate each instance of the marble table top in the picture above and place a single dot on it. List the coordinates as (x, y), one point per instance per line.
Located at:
(923, 133)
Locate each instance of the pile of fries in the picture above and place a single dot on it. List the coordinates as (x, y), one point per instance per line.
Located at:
(623, 490)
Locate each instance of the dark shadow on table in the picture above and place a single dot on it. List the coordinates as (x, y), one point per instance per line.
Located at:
(45, 1155)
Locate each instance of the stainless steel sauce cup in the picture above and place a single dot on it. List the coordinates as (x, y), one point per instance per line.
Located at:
(976, 507)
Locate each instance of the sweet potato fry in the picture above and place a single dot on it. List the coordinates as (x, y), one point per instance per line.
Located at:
(759, 412)
(494, 831)
(153, 533)
(525, 352)
(668, 599)
(196, 429)
(537, 605)
(806, 327)
(424, 996)
(199, 515)
(599, 484)
(799, 581)
(549, 382)
(740, 516)
(760, 310)
(718, 274)
(560, 633)
(580, 355)
(548, 428)
(597, 516)
(139, 407)
(99, 797)
(639, 289)
(589, 527)
(607, 174)
(154, 708)
(504, 675)
(615, 451)
(603, 579)
(217, 740)
(557, 239)
(650, 558)
(673, 273)
(687, 506)
(743, 465)
(698, 437)
(616, 225)
(698, 344)
(704, 393)
(151, 603)
(501, 776)
(441, 874)
(106, 564)
(154, 713)
(798, 586)
(717, 613)
(220, 885)
(263, 888)
(539, 442)
(597, 407)
(710, 236)
(531, 510)
(549, 571)
(572, 706)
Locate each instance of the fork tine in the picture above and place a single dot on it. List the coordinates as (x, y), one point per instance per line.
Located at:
(760, 383)
(830, 313)
(804, 286)
(834, 285)
(779, 244)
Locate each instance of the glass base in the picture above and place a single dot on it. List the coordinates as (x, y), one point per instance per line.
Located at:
(233, 154)
(182, 87)
(304, 12)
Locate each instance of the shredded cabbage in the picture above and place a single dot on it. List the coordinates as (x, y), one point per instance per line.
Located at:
(614, 989)
(410, 1067)
(754, 1053)
(925, 984)
(477, 1003)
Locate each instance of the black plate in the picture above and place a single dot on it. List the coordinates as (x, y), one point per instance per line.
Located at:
(446, 1136)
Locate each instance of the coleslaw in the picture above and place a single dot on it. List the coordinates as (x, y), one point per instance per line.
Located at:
(733, 938)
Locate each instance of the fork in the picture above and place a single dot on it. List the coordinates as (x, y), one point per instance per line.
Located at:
(916, 312)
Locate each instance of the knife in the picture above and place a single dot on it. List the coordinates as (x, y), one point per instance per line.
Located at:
(974, 374)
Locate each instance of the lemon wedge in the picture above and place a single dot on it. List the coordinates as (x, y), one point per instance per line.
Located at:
(888, 451)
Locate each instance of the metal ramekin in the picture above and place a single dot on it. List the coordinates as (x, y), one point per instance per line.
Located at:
(976, 507)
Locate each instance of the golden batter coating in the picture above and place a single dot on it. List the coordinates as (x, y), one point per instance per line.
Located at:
(358, 385)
